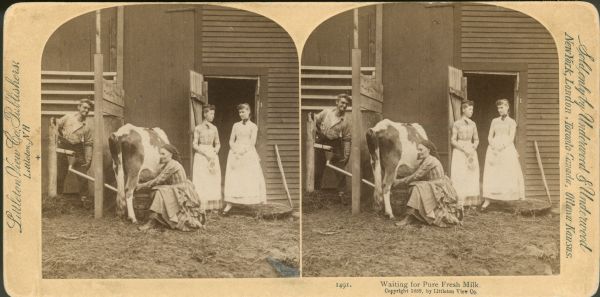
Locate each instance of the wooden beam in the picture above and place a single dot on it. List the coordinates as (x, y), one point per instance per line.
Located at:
(52, 162)
(120, 26)
(336, 68)
(98, 123)
(356, 121)
(310, 153)
(75, 73)
(317, 87)
(378, 43)
(78, 93)
(355, 31)
(68, 81)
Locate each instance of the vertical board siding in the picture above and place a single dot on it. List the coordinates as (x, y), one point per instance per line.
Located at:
(418, 42)
(495, 34)
(236, 38)
(156, 71)
(72, 46)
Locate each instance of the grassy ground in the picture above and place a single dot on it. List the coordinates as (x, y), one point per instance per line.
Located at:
(498, 242)
(75, 245)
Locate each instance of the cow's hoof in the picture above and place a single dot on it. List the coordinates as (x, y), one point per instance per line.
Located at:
(133, 221)
(391, 216)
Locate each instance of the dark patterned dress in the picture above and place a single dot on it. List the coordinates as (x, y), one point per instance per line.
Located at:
(174, 198)
(432, 195)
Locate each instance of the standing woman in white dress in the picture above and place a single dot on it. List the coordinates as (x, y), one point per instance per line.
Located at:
(465, 164)
(207, 171)
(502, 175)
(244, 180)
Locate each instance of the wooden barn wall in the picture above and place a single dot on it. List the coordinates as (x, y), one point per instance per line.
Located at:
(232, 38)
(495, 35)
(417, 48)
(158, 54)
(71, 48)
(330, 44)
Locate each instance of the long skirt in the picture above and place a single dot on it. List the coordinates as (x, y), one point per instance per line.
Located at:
(207, 181)
(177, 206)
(502, 175)
(465, 178)
(435, 202)
(244, 179)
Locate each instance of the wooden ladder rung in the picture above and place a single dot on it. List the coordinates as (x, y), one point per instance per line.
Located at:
(68, 81)
(59, 92)
(62, 112)
(68, 102)
(321, 107)
(75, 73)
(315, 87)
(324, 97)
(336, 68)
(328, 76)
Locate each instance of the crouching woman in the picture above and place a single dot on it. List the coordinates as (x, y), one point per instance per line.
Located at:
(175, 202)
(432, 200)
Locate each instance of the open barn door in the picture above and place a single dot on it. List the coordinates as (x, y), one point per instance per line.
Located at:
(457, 92)
(198, 98)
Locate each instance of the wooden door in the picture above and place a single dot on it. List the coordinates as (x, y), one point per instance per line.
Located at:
(198, 98)
(457, 92)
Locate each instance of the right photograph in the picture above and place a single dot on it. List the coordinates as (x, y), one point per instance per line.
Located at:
(430, 143)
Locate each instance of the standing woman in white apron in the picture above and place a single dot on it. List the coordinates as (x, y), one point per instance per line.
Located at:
(502, 175)
(244, 179)
(465, 164)
(207, 170)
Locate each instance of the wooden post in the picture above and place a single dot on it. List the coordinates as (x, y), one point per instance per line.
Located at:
(120, 12)
(356, 120)
(98, 124)
(379, 44)
(52, 162)
(310, 153)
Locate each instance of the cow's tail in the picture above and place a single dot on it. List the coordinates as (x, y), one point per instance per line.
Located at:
(117, 157)
(373, 146)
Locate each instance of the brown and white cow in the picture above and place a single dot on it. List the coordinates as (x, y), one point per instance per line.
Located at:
(135, 155)
(393, 150)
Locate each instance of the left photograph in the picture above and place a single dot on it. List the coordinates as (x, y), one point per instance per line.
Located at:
(170, 145)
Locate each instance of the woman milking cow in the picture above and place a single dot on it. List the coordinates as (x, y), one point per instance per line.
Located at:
(437, 200)
(181, 204)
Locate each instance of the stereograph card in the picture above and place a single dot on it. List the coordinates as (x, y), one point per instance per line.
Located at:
(301, 149)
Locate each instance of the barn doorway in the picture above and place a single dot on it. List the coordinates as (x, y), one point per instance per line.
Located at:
(484, 89)
(225, 94)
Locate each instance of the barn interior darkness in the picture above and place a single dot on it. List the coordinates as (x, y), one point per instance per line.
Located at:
(225, 94)
(484, 90)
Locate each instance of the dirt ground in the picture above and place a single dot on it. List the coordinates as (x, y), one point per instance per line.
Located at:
(497, 242)
(75, 245)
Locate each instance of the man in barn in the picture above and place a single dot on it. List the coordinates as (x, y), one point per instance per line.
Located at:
(333, 129)
(76, 136)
